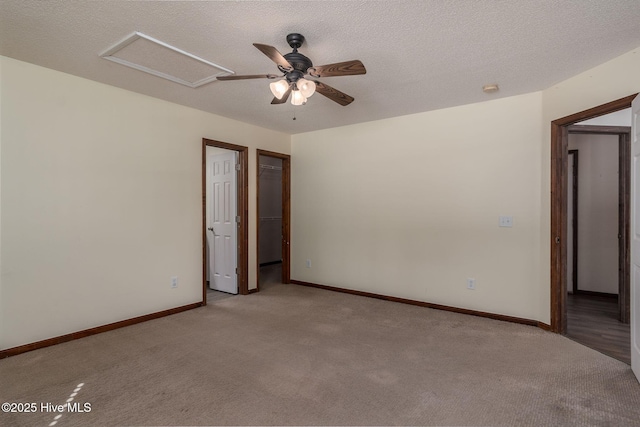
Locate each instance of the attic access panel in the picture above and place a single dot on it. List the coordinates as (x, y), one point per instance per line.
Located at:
(144, 53)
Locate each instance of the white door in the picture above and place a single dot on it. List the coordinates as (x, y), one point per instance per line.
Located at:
(221, 221)
(635, 237)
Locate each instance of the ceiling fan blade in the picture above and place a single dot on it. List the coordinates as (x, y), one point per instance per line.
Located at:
(274, 55)
(348, 68)
(333, 94)
(283, 99)
(251, 76)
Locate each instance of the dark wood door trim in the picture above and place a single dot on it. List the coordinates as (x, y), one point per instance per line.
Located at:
(574, 242)
(624, 225)
(604, 130)
(286, 214)
(559, 159)
(243, 212)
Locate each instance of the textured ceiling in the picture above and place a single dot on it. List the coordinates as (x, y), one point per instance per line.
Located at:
(419, 55)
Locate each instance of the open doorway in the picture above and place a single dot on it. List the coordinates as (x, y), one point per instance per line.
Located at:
(224, 219)
(560, 231)
(597, 234)
(273, 218)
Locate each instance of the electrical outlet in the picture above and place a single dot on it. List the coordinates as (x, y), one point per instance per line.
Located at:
(174, 282)
(471, 284)
(308, 263)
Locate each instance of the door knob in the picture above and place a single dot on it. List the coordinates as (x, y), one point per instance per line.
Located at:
(210, 229)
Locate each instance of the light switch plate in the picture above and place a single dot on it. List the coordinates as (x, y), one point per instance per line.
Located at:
(505, 221)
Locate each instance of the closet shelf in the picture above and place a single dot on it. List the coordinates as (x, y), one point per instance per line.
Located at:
(278, 168)
(270, 218)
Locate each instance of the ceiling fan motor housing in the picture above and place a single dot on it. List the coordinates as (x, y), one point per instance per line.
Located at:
(298, 61)
(295, 40)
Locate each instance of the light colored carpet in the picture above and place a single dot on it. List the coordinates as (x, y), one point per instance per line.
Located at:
(291, 355)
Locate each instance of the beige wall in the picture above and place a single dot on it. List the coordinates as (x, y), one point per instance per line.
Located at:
(409, 206)
(597, 211)
(618, 118)
(100, 196)
(101, 201)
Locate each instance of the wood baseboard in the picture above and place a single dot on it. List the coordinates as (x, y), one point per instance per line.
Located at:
(264, 264)
(428, 305)
(544, 326)
(93, 331)
(596, 294)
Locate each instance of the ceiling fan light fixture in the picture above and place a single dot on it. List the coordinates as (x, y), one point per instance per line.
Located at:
(307, 87)
(279, 88)
(297, 98)
(295, 66)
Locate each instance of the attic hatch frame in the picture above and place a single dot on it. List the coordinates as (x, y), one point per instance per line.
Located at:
(109, 55)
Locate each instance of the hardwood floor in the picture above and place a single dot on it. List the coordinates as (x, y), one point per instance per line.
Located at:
(593, 321)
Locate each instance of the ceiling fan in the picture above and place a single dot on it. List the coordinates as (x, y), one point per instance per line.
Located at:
(296, 67)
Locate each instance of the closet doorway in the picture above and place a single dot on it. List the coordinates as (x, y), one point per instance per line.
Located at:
(273, 218)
